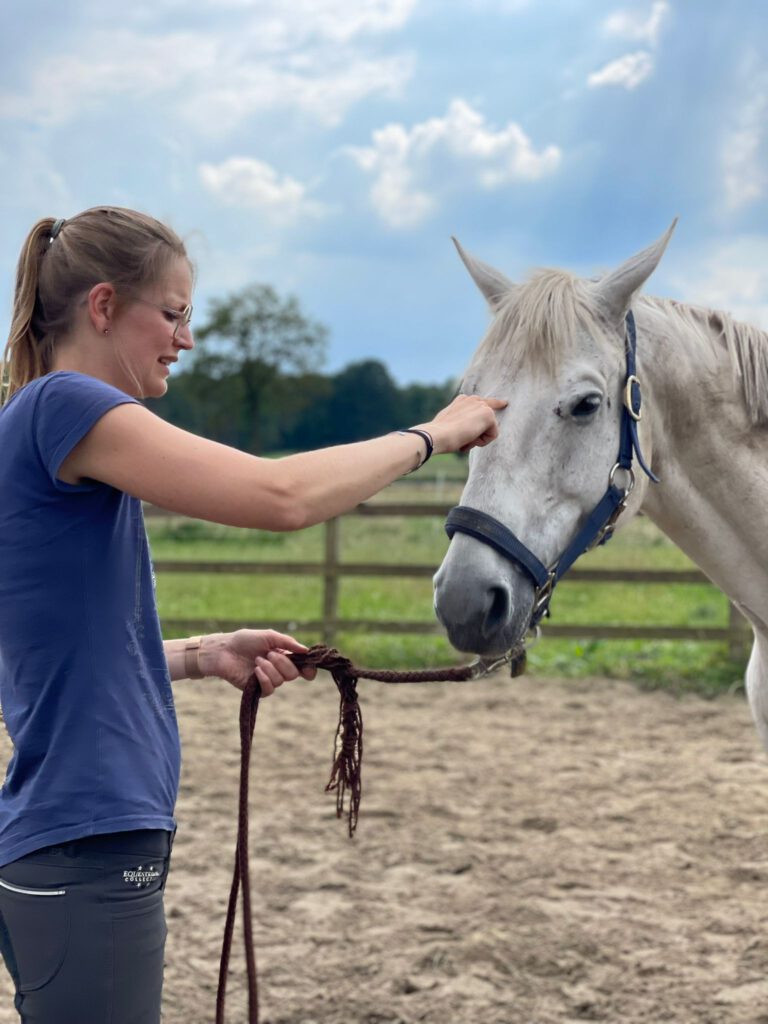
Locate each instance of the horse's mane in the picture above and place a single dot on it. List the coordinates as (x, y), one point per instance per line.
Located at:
(745, 345)
(551, 307)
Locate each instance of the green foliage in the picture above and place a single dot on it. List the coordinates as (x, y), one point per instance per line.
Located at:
(255, 327)
(360, 401)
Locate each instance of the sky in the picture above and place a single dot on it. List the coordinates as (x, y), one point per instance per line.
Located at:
(331, 148)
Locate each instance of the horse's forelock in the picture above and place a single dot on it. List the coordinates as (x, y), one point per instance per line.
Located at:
(538, 322)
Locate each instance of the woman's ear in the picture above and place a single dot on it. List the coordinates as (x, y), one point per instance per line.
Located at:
(102, 305)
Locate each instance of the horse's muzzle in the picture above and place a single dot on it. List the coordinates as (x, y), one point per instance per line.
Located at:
(483, 602)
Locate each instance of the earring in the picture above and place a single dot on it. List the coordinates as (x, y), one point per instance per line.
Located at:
(106, 330)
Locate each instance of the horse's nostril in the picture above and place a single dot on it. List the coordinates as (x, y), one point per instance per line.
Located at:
(498, 612)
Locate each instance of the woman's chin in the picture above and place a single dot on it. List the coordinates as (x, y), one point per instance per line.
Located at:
(155, 389)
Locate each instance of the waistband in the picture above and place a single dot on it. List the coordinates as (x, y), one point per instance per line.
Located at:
(153, 842)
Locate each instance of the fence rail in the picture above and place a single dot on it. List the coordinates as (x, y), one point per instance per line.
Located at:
(736, 634)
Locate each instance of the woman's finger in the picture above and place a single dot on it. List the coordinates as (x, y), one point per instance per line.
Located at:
(265, 683)
(283, 664)
(273, 674)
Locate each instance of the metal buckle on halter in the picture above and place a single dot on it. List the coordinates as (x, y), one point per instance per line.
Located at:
(632, 379)
(484, 666)
(532, 637)
(610, 525)
(543, 593)
(607, 531)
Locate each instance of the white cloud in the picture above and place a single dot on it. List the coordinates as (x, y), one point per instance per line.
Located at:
(404, 193)
(290, 25)
(744, 152)
(732, 276)
(628, 71)
(300, 56)
(633, 68)
(323, 89)
(338, 20)
(255, 185)
(122, 62)
(629, 25)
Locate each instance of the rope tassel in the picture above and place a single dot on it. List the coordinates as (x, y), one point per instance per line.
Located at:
(346, 771)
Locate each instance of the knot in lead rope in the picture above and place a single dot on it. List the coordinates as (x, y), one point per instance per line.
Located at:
(345, 776)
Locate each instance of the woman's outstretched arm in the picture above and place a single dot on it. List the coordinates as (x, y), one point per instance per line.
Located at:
(139, 453)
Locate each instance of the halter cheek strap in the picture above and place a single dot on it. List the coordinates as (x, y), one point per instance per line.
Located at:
(599, 524)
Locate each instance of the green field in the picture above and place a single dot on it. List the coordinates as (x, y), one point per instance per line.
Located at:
(679, 665)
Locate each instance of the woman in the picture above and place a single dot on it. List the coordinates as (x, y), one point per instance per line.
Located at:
(102, 308)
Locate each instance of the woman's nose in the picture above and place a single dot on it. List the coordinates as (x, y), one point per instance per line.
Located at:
(184, 338)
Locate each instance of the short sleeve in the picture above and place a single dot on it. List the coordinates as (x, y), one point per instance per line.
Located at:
(68, 405)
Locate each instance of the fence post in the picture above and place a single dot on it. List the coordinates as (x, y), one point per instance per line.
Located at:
(331, 582)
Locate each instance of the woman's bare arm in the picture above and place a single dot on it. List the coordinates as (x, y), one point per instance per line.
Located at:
(137, 452)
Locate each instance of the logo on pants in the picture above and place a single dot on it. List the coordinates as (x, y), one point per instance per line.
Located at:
(141, 877)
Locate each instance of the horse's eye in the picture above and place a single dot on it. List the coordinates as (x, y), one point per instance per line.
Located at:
(586, 406)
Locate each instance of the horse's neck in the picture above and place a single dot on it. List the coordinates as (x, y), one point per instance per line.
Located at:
(713, 496)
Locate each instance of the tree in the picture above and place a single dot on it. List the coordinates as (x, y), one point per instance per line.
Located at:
(250, 339)
(364, 401)
(420, 402)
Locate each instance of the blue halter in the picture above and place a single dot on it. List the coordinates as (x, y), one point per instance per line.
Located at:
(599, 525)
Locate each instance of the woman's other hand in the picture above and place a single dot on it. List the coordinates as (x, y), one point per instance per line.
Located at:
(237, 656)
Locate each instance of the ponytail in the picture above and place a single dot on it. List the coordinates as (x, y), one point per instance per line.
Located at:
(60, 262)
(26, 354)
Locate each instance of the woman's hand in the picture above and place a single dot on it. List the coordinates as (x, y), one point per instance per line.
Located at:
(468, 422)
(236, 656)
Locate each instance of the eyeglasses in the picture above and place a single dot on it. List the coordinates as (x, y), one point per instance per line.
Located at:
(178, 317)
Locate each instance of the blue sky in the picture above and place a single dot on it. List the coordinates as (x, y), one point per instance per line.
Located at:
(332, 147)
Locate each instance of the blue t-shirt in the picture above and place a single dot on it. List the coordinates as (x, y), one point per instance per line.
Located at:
(84, 683)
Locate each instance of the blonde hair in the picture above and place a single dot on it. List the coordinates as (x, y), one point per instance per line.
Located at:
(56, 268)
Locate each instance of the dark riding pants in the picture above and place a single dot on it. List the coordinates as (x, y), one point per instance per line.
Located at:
(82, 929)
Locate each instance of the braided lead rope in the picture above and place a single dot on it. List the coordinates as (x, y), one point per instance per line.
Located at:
(345, 776)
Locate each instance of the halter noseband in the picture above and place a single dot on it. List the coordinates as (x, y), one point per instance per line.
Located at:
(599, 525)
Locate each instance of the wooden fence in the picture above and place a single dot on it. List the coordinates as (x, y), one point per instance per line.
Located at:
(736, 634)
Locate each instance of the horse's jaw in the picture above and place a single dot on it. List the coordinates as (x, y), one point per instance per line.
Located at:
(482, 600)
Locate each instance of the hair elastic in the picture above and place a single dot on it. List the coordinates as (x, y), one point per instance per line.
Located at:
(57, 226)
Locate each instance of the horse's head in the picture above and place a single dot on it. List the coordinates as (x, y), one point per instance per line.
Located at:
(556, 351)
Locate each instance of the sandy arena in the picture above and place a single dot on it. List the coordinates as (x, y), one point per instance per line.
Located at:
(529, 852)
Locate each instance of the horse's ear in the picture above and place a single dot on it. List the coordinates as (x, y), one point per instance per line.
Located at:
(492, 283)
(616, 289)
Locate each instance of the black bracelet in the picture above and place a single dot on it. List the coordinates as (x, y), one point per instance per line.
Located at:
(426, 438)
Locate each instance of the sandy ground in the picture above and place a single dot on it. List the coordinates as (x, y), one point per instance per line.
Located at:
(529, 851)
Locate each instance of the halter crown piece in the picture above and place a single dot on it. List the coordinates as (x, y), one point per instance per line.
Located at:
(600, 523)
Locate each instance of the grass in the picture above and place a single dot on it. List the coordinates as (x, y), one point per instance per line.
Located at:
(703, 667)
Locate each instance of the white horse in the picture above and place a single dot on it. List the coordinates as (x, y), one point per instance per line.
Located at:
(556, 351)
